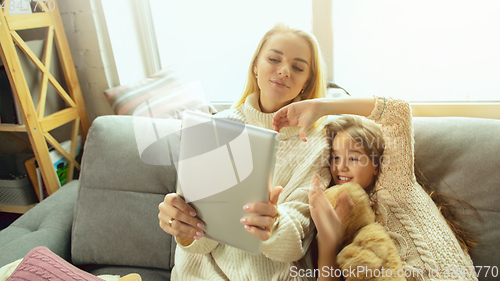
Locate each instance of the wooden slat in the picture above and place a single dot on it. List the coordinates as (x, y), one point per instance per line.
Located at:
(29, 21)
(16, 209)
(22, 45)
(45, 79)
(74, 137)
(31, 169)
(69, 70)
(58, 119)
(50, 139)
(12, 128)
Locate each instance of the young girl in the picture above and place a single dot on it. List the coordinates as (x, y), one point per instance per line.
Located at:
(380, 159)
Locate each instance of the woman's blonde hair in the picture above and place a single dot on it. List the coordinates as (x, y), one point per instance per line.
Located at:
(316, 86)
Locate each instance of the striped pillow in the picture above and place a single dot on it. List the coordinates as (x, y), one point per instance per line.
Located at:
(162, 88)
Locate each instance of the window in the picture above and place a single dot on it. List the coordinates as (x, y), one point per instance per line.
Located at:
(213, 41)
(425, 50)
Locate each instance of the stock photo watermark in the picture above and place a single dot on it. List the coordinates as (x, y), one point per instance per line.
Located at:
(451, 272)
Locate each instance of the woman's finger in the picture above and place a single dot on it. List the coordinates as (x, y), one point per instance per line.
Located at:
(174, 220)
(275, 194)
(177, 201)
(182, 230)
(281, 123)
(281, 113)
(262, 222)
(168, 212)
(262, 234)
(263, 209)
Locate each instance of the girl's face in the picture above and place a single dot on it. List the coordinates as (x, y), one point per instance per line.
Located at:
(283, 68)
(350, 163)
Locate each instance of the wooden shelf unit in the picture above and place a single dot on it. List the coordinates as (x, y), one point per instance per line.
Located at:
(36, 125)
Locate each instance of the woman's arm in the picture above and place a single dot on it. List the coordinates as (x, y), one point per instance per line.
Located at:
(356, 106)
(296, 162)
(305, 113)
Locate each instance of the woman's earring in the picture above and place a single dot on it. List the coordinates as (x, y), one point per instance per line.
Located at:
(256, 76)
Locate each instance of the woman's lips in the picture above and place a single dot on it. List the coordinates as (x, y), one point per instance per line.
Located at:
(279, 84)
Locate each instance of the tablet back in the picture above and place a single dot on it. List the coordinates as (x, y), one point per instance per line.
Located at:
(223, 165)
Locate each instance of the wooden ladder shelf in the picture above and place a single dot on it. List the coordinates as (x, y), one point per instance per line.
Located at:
(36, 125)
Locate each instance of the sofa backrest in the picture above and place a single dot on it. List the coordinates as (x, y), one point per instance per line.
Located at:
(116, 213)
(459, 157)
(116, 219)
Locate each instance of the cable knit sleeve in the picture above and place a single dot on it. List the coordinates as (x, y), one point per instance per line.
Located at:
(293, 230)
(201, 247)
(395, 118)
(424, 240)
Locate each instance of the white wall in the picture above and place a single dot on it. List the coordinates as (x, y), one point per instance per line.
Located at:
(81, 32)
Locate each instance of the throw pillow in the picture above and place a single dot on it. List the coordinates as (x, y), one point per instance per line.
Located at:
(164, 92)
(41, 264)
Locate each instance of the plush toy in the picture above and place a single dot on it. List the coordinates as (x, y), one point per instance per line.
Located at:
(368, 250)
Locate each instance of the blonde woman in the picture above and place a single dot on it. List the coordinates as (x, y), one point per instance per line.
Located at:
(285, 68)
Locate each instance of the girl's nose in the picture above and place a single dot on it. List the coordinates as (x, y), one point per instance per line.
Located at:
(343, 167)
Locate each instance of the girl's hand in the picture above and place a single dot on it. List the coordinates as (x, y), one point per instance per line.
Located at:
(260, 225)
(302, 114)
(328, 220)
(179, 219)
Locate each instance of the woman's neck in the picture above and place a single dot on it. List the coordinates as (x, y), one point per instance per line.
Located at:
(271, 108)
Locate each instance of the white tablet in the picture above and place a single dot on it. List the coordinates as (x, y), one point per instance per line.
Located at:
(223, 165)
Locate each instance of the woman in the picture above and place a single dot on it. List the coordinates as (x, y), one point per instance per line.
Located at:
(428, 248)
(286, 67)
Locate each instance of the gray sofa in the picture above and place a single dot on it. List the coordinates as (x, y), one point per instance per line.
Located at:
(106, 222)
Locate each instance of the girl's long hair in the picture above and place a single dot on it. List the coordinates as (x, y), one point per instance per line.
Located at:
(370, 136)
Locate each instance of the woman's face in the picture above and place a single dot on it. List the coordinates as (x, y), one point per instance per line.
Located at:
(350, 163)
(283, 68)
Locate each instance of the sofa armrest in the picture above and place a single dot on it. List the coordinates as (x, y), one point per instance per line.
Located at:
(47, 224)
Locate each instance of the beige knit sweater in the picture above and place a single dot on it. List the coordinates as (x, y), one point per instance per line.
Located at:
(425, 242)
(287, 250)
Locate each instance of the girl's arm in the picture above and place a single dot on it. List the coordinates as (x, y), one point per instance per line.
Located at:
(328, 222)
(328, 262)
(305, 113)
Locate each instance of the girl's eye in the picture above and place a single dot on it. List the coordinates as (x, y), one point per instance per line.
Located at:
(354, 159)
(273, 60)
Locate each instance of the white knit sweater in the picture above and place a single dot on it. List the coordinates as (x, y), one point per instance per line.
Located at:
(423, 239)
(287, 250)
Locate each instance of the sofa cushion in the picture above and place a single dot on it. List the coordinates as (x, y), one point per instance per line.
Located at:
(164, 92)
(47, 224)
(116, 213)
(459, 156)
